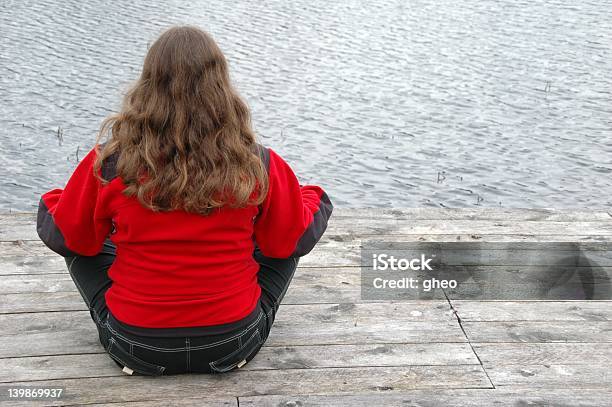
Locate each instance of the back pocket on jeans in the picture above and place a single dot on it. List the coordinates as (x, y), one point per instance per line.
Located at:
(131, 362)
(240, 356)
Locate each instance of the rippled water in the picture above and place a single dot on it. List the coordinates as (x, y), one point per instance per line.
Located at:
(385, 103)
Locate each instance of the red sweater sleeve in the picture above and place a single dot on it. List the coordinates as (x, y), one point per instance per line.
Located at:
(71, 221)
(293, 217)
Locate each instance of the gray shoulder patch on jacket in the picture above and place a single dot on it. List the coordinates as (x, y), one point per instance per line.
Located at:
(264, 154)
(109, 165)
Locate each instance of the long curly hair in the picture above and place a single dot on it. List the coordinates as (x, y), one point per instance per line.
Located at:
(183, 135)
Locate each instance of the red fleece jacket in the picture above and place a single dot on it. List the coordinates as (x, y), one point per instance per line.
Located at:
(178, 269)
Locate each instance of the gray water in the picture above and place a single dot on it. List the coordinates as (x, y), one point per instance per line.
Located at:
(384, 103)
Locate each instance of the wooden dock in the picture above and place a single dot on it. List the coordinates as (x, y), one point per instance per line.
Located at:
(329, 347)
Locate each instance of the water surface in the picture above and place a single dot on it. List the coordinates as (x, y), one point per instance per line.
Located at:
(384, 103)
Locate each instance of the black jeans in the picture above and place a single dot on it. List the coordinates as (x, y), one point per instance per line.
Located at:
(153, 354)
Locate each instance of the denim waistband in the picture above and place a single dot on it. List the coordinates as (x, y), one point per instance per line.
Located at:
(187, 331)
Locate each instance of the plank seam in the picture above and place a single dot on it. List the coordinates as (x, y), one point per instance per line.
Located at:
(456, 314)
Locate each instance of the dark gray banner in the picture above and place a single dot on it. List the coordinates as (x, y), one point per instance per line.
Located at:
(486, 270)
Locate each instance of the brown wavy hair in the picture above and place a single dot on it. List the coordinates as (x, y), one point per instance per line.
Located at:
(183, 135)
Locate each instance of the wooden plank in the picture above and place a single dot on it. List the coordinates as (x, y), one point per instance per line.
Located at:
(32, 257)
(49, 333)
(36, 283)
(518, 254)
(18, 227)
(32, 264)
(72, 300)
(54, 367)
(172, 401)
(23, 227)
(343, 284)
(253, 382)
(447, 398)
(327, 256)
(534, 310)
(269, 358)
(329, 253)
(557, 215)
(52, 333)
(308, 313)
(24, 248)
(349, 263)
(143, 401)
(41, 302)
(538, 331)
(498, 354)
(41, 292)
(300, 293)
(365, 227)
(549, 291)
(577, 377)
(83, 339)
(49, 283)
(384, 354)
